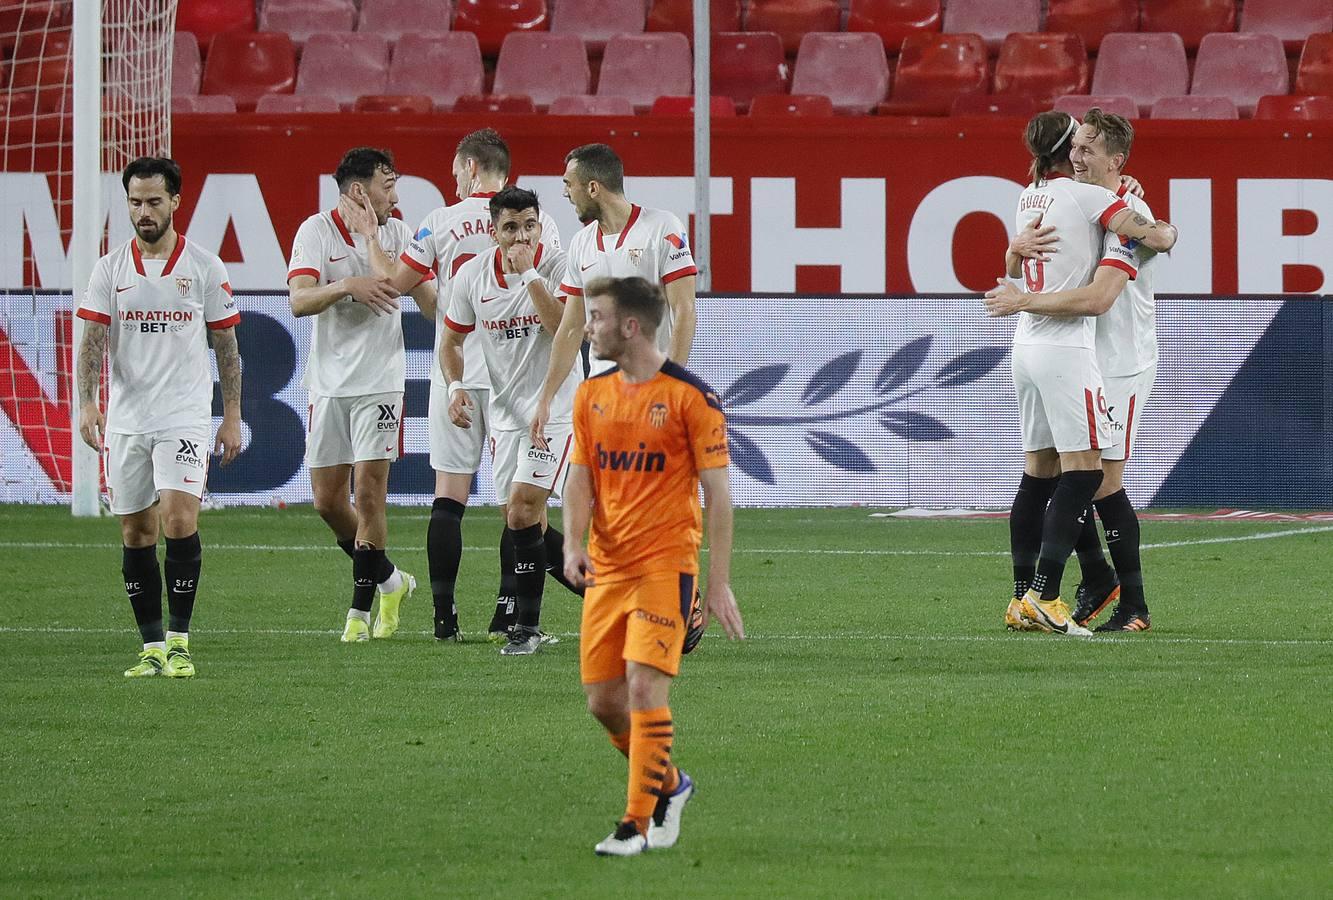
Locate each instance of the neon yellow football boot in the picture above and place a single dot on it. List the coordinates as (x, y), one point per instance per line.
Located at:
(386, 622)
(1051, 616)
(1014, 620)
(179, 664)
(355, 630)
(151, 662)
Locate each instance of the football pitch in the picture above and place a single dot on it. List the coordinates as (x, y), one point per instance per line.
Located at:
(879, 734)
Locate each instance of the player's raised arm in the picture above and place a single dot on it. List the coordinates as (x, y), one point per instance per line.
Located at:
(680, 304)
(718, 598)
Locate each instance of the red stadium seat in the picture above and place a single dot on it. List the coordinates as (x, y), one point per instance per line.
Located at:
(678, 15)
(718, 107)
(792, 20)
(543, 66)
(205, 103)
(19, 104)
(747, 63)
(507, 104)
(791, 105)
(893, 20)
(994, 21)
(1042, 66)
(933, 69)
(591, 105)
(344, 66)
(1191, 19)
(302, 18)
(849, 69)
(1194, 108)
(186, 66)
(1078, 104)
(491, 21)
(1294, 108)
(646, 66)
(1290, 21)
(32, 17)
(1092, 20)
(1014, 106)
(41, 61)
(417, 104)
(395, 18)
(298, 103)
(248, 66)
(1314, 74)
(1241, 67)
(444, 67)
(1142, 66)
(596, 21)
(205, 18)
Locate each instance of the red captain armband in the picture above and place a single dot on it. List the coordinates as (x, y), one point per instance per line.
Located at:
(1110, 213)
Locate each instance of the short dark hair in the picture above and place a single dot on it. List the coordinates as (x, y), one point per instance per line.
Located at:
(514, 199)
(1048, 137)
(1115, 130)
(150, 166)
(361, 164)
(635, 297)
(488, 149)
(599, 163)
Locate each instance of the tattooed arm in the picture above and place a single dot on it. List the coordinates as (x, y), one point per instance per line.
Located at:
(92, 351)
(229, 373)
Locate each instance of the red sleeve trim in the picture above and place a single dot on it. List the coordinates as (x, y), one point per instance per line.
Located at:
(226, 286)
(229, 322)
(314, 273)
(1122, 190)
(1110, 213)
(461, 329)
(570, 291)
(1121, 265)
(679, 273)
(430, 276)
(414, 265)
(93, 315)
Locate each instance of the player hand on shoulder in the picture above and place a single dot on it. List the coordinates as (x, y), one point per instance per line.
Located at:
(537, 430)
(720, 603)
(1036, 241)
(92, 425)
(1130, 185)
(459, 404)
(377, 293)
(522, 256)
(578, 565)
(1004, 299)
(228, 441)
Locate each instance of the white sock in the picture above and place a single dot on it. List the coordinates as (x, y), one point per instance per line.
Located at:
(393, 583)
(156, 645)
(183, 635)
(362, 614)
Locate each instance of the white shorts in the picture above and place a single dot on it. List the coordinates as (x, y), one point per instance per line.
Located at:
(138, 466)
(1060, 398)
(346, 430)
(515, 459)
(1126, 397)
(452, 449)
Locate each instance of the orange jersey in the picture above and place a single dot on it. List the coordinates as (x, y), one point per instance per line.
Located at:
(645, 445)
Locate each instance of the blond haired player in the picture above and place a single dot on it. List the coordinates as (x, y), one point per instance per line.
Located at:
(647, 434)
(152, 300)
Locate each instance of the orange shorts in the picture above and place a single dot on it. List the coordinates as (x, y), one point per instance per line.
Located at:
(643, 619)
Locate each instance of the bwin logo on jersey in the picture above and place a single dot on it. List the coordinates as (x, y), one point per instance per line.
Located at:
(388, 420)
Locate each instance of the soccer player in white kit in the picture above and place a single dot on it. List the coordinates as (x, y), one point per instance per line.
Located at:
(1062, 402)
(447, 238)
(619, 240)
(355, 374)
(153, 300)
(509, 297)
(1126, 344)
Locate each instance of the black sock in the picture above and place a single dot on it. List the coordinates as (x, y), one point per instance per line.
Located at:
(1064, 519)
(143, 582)
(365, 564)
(444, 550)
(1122, 539)
(1025, 522)
(182, 567)
(506, 598)
(348, 546)
(555, 559)
(529, 574)
(1091, 561)
(383, 567)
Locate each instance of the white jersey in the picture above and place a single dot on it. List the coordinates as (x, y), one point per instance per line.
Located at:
(448, 237)
(353, 351)
(653, 245)
(1127, 332)
(516, 347)
(155, 311)
(1080, 213)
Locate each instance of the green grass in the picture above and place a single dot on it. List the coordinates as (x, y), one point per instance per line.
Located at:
(879, 734)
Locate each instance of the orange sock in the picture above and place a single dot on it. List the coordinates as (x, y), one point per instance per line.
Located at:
(620, 741)
(650, 768)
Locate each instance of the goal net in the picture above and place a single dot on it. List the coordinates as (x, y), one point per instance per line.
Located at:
(85, 87)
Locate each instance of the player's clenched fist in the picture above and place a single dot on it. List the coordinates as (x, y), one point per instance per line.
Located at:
(377, 293)
(459, 404)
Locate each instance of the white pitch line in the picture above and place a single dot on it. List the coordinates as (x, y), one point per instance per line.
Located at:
(795, 638)
(759, 551)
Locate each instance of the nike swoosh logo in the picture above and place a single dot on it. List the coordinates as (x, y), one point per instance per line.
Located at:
(488, 299)
(587, 267)
(541, 474)
(192, 481)
(122, 290)
(337, 258)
